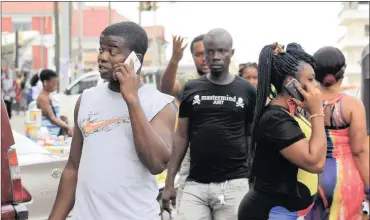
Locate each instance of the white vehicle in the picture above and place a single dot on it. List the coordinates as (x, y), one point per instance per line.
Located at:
(40, 172)
(68, 98)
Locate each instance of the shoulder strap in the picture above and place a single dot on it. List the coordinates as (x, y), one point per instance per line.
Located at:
(335, 109)
(334, 100)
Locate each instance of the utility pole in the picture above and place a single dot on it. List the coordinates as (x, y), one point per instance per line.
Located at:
(109, 13)
(16, 59)
(150, 6)
(70, 45)
(57, 38)
(42, 41)
(65, 67)
(80, 28)
(140, 10)
(365, 87)
(155, 42)
(146, 6)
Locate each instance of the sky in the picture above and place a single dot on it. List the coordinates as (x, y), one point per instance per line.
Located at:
(252, 24)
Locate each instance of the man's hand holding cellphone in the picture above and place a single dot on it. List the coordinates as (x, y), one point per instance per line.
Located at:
(126, 74)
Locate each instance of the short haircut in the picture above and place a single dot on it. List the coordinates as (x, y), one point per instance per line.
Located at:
(136, 39)
(330, 65)
(196, 39)
(47, 74)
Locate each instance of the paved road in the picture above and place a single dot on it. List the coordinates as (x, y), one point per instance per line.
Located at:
(17, 123)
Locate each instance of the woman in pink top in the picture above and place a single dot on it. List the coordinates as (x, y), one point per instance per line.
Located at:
(345, 179)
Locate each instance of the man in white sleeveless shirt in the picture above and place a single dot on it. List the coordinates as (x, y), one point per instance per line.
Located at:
(123, 138)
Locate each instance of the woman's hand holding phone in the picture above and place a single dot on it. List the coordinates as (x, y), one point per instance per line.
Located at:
(312, 99)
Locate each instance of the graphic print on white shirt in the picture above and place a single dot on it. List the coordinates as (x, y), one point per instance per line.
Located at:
(112, 181)
(90, 125)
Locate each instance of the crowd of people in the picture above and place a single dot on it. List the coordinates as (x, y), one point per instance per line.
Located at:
(278, 140)
(14, 90)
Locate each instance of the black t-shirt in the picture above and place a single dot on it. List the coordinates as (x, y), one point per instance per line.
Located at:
(277, 130)
(219, 121)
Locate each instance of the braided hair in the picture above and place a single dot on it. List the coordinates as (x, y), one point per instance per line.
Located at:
(274, 65)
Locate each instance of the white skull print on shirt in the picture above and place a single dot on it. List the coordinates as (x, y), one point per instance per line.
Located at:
(240, 102)
(196, 100)
(219, 117)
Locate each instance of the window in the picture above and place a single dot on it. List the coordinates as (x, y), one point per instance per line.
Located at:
(83, 84)
(22, 26)
(367, 30)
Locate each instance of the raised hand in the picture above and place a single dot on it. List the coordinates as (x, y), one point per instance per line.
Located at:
(177, 48)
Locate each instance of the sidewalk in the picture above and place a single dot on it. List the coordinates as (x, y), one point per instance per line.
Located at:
(17, 122)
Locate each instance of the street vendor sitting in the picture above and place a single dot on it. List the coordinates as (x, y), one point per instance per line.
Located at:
(50, 109)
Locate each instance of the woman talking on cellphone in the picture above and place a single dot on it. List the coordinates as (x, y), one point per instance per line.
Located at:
(341, 185)
(287, 150)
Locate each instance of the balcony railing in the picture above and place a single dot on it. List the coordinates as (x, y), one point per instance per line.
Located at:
(356, 6)
(349, 14)
(353, 69)
(347, 42)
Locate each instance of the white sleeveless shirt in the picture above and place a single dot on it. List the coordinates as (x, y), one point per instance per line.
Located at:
(112, 182)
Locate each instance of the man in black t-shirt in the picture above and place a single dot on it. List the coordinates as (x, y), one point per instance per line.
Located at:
(216, 111)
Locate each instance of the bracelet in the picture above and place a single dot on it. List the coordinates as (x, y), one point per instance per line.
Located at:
(316, 115)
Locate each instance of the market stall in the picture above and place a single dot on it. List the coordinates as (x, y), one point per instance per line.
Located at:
(41, 135)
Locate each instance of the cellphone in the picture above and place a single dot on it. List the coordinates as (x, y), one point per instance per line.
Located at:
(137, 63)
(293, 91)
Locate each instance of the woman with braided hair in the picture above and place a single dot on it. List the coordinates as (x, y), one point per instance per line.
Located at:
(287, 150)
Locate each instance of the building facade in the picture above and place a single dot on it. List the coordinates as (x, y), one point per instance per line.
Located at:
(35, 16)
(354, 17)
